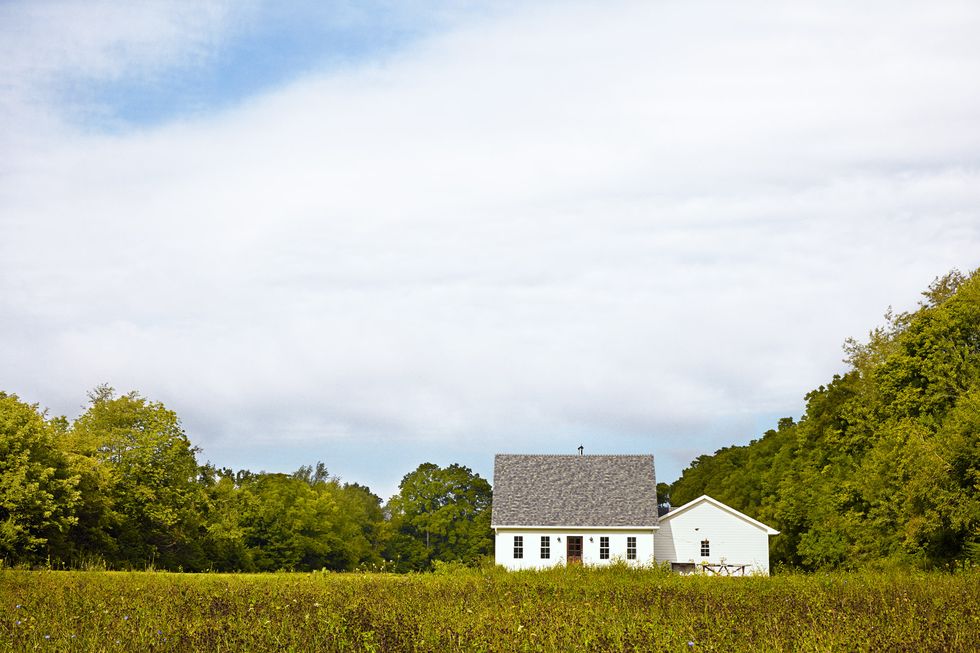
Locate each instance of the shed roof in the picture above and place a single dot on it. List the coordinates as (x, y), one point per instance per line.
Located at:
(704, 498)
(580, 491)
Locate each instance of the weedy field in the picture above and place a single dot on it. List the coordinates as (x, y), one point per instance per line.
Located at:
(575, 609)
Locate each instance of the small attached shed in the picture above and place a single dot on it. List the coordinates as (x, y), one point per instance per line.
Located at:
(708, 536)
(554, 509)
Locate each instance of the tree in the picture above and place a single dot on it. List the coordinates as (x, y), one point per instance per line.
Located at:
(361, 526)
(439, 514)
(663, 495)
(139, 470)
(121, 485)
(38, 491)
(289, 524)
(885, 463)
(222, 535)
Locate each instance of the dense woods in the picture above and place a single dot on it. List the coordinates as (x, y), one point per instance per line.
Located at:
(121, 487)
(884, 466)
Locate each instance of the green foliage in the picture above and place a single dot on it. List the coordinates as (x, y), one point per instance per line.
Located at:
(459, 609)
(885, 464)
(222, 535)
(439, 514)
(120, 488)
(38, 492)
(139, 472)
(309, 521)
(288, 523)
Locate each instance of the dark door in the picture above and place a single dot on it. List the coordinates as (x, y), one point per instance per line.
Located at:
(573, 550)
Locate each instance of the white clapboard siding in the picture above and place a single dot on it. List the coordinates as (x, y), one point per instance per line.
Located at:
(733, 538)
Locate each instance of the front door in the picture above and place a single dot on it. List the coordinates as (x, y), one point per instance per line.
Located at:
(573, 549)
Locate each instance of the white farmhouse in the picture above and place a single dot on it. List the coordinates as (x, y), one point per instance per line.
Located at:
(554, 509)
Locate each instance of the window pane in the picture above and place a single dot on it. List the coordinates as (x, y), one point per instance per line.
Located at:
(603, 548)
(545, 547)
(518, 546)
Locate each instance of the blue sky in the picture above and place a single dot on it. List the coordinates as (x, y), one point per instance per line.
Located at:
(378, 235)
(263, 47)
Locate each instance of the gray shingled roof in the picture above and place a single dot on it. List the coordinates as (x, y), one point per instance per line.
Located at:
(535, 490)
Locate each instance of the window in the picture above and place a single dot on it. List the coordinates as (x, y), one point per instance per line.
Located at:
(603, 548)
(518, 547)
(631, 548)
(705, 549)
(545, 547)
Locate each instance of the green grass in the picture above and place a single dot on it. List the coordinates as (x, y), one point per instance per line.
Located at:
(560, 610)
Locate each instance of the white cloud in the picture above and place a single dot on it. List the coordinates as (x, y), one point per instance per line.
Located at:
(52, 51)
(104, 39)
(643, 221)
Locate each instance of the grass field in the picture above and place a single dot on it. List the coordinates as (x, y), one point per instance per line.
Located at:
(561, 610)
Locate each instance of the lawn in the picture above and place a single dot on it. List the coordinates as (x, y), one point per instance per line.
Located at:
(561, 610)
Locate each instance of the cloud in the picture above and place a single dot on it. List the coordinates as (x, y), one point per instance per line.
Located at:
(641, 225)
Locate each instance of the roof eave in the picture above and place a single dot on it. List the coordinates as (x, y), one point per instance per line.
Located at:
(715, 502)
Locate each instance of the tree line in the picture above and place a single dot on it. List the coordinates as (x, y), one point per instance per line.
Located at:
(120, 487)
(884, 465)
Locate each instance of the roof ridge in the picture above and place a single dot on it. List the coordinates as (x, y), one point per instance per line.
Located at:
(578, 455)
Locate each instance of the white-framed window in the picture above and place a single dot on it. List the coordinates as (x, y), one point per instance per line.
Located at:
(705, 549)
(604, 548)
(631, 547)
(545, 547)
(518, 547)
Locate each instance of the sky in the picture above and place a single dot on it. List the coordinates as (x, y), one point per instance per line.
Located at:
(378, 234)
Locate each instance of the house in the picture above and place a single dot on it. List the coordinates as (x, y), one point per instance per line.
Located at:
(550, 509)
(553, 510)
(705, 534)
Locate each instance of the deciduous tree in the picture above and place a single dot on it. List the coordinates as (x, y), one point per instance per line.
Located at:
(38, 491)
